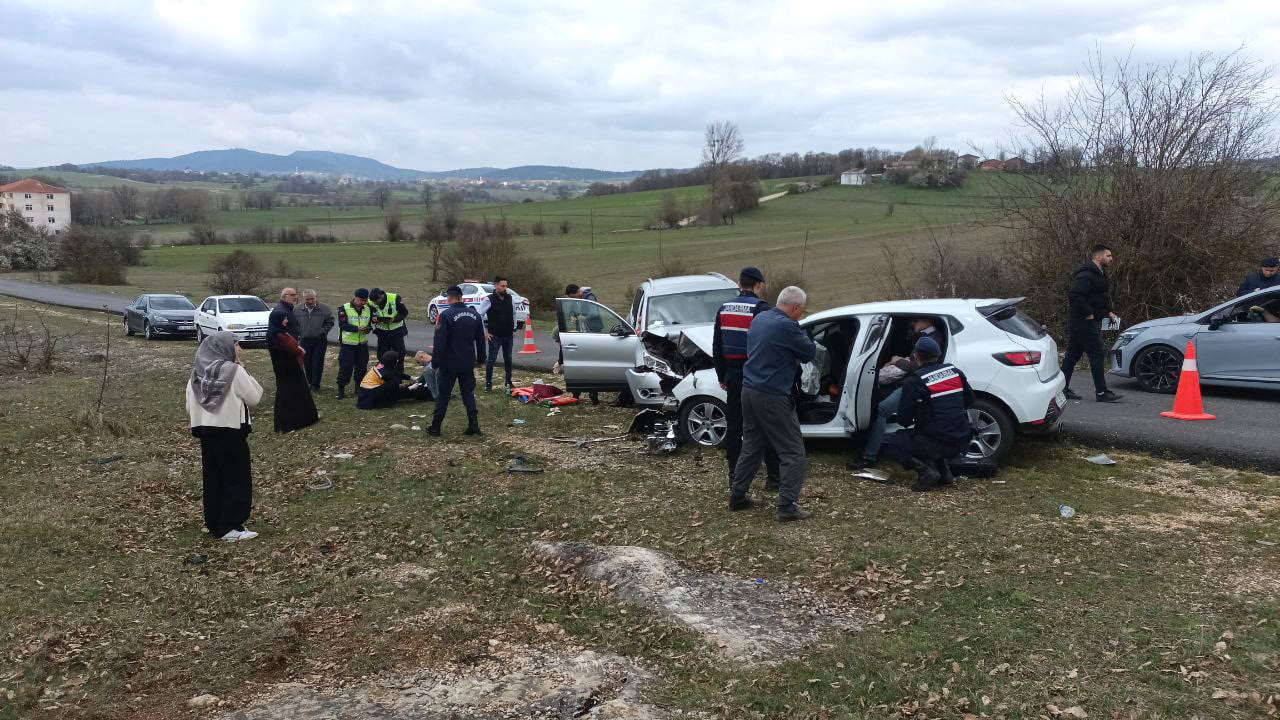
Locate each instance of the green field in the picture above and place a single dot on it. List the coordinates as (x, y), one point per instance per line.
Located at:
(606, 247)
(1158, 600)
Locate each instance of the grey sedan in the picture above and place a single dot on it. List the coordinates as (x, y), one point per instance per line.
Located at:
(1237, 344)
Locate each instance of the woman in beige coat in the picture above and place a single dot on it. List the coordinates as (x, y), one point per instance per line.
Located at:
(219, 396)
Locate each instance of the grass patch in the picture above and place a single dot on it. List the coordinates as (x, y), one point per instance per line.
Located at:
(1148, 604)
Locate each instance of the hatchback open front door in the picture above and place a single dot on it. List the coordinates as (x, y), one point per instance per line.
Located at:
(597, 346)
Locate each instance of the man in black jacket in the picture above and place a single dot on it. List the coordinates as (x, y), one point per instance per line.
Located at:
(1267, 276)
(500, 326)
(1089, 300)
(459, 347)
(935, 399)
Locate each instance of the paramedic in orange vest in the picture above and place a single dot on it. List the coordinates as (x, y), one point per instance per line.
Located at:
(729, 352)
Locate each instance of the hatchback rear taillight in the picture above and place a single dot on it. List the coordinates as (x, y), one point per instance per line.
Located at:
(1020, 358)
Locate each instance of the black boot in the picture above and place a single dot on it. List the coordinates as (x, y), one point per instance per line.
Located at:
(473, 428)
(342, 392)
(944, 473)
(926, 477)
(434, 429)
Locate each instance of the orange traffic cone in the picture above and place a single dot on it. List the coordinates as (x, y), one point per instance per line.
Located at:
(529, 347)
(1187, 404)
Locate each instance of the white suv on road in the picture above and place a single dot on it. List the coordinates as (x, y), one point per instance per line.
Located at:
(244, 315)
(1010, 360)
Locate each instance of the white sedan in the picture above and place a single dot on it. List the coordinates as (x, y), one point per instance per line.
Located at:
(1010, 360)
(475, 294)
(244, 315)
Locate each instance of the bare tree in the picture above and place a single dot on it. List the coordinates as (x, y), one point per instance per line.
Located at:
(426, 194)
(380, 196)
(1168, 164)
(440, 229)
(722, 145)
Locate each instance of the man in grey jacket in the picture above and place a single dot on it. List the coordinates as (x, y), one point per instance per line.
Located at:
(314, 323)
(776, 345)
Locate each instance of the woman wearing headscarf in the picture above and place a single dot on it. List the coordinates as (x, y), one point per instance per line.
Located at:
(219, 395)
(294, 406)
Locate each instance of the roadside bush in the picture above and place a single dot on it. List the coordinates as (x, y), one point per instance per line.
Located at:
(145, 241)
(239, 273)
(206, 235)
(538, 228)
(669, 212)
(564, 227)
(88, 257)
(256, 235)
(27, 348)
(482, 250)
(898, 176)
(777, 278)
(283, 269)
(295, 235)
(22, 247)
(672, 265)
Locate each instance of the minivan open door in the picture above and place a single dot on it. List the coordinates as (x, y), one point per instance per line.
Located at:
(597, 346)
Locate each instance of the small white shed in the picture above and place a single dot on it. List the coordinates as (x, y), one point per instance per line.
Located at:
(853, 177)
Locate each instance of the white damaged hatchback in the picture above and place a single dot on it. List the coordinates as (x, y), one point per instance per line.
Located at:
(1010, 360)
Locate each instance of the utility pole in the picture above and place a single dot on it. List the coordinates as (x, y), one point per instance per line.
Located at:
(593, 224)
(660, 245)
(803, 253)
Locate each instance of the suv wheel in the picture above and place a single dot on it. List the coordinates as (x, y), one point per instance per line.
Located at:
(703, 421)
(993, 431)
(1158, 368)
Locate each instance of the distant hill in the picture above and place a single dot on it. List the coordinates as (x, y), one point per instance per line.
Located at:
(332, 163)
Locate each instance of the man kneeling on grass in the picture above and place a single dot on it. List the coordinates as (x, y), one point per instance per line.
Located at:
(935, 399)
(381, 386)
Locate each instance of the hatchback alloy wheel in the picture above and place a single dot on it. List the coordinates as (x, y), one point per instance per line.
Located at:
(704, 422)
(1158, 369)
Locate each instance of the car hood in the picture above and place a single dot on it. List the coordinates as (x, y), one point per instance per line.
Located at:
(684, 349)
(1157, 322)
(247, 318)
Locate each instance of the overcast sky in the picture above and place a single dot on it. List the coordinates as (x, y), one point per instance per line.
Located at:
(612, 85)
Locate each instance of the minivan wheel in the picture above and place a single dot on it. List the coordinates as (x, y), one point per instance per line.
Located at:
(703, 421)
(1157, 369)
(993, 431)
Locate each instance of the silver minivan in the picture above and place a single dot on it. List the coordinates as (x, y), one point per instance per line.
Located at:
(600, 347)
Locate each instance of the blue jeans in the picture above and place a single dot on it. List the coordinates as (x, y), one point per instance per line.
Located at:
(498, 343)
(875, 433)
(467, 388)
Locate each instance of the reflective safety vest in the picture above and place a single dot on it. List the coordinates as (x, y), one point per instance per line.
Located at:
(359, 318)
(388, 309)
(735, 319)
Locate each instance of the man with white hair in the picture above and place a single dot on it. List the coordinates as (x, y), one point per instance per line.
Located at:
(776, 345)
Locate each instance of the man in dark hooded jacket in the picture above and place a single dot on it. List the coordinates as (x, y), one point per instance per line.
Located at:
(1267, 276)
(1089, 300)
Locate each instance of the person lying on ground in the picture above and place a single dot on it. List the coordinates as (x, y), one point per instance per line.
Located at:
(425, 385)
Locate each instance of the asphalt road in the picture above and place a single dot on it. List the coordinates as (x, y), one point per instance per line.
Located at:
(419, 338)
(1246, 432)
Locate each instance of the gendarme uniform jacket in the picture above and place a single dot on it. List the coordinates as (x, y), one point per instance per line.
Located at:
(459, 339)
(729, 343)
(935, 398)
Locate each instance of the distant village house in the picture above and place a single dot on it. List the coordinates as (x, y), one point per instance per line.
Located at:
(853, 177)
(40, 204)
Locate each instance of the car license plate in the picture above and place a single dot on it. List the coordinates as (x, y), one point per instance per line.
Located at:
(186, 327)
(257, 335)
(1061, 400)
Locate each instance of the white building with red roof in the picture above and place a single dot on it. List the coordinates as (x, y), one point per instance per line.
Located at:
(42, 205)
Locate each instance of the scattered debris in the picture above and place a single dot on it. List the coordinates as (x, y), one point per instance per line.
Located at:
(502, 683)
(879, 476)
(195, 559)
(520, 464)
(1066, 512)
(417, 427)
(398, 426)
(518, 421)
(741, 619)
(342, 456)
(583, 442)
(322, 483)
(1101, 459)
(204, 701)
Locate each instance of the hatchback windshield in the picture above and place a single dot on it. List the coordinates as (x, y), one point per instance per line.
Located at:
(689, 308)
(171, 303)
(241, 304)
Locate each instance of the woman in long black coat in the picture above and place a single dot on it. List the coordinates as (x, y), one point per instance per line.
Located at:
(295, 408)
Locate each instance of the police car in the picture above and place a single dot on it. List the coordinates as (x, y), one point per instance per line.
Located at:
(474, 294)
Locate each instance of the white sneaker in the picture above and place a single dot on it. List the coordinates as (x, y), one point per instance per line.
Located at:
(232, 536)
(247, 535)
